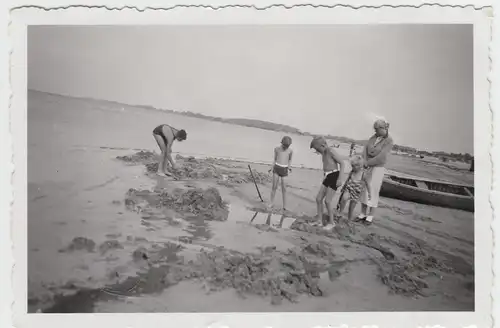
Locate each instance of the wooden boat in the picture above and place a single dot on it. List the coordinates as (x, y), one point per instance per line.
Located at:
(428, 191)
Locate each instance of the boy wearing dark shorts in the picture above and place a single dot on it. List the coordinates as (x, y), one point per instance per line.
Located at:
(281, 165)
(333, 165)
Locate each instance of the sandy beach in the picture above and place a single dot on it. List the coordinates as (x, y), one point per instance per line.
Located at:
(105, 234)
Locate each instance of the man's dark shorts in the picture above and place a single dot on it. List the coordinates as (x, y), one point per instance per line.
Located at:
(280, 170)
(330, 180)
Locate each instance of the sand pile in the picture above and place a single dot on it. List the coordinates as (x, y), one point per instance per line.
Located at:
(343, 229)
(79, 244)
(270, 274)
(141, 157)
(407, 276)
(192, 168)
(320, 249)
(110, 245)
(205, 203)
(402, 278)
(260, 178)
(275, 275)
(413, 248)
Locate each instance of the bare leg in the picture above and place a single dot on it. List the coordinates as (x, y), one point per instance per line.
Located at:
(163, 149)
(274, 188)
(281, 221)
(165, 162)
(283, 192)
(319, 203)
(343, 202)
(370, 210)
(363, 214)
(329, 204)
(268, 220)
(352, 207)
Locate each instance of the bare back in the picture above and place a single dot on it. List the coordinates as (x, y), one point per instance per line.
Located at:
(329, 162)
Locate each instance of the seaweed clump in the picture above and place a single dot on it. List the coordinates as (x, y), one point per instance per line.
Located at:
(269, 274)
(205, 203)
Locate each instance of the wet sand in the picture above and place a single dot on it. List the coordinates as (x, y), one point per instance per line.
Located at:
(107, 235)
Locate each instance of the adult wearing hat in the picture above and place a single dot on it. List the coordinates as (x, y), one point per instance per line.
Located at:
(375, 153)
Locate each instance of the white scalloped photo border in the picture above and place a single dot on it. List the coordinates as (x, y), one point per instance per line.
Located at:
(14, 199)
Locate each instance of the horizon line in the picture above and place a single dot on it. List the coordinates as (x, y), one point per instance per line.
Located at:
(208, 117)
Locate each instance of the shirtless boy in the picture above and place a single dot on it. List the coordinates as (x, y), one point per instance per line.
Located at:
(165, 136)
(281, 165)
(333, 165)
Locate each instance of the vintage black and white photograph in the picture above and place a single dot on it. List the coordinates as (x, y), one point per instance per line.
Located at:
(251, 168)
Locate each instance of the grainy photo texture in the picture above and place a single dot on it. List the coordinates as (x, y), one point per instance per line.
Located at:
(313, 168)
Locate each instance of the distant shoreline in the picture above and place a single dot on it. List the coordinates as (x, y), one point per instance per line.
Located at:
(269, 126)
(251, 123)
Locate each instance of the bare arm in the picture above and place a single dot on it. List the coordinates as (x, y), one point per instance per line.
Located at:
(290, 159)
(381, 158)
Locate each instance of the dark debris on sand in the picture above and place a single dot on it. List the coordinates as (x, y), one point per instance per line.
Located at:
(277, 276)
(320, 248)
(270, 274)
(205, 203)
(110, 245)
(79, 244)
(142, 157)
(408, 276)
(192, 168)
(402, 276)
(342, 230)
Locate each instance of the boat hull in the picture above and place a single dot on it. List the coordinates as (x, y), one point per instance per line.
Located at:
(397, 190)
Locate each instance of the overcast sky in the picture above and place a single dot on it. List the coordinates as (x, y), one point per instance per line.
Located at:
(322, 79)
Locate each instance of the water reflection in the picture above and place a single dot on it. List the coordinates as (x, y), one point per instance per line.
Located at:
(198, 228)
(254, 216)
(276, 220)
(268, 221)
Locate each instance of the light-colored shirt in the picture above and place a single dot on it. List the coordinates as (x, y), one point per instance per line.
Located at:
(377, 150)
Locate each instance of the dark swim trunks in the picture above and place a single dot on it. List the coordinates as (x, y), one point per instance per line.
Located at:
(159, 132)
(330, 180)
(280, 170)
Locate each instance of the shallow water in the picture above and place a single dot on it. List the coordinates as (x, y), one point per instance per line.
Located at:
(74, 126)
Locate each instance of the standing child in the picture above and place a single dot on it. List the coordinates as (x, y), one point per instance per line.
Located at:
(353, 147)
(356, 182)
(281, 165)
(333, 165)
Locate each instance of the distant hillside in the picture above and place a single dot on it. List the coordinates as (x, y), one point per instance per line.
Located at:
(272, 127)
(263, 125)
(247, 122)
